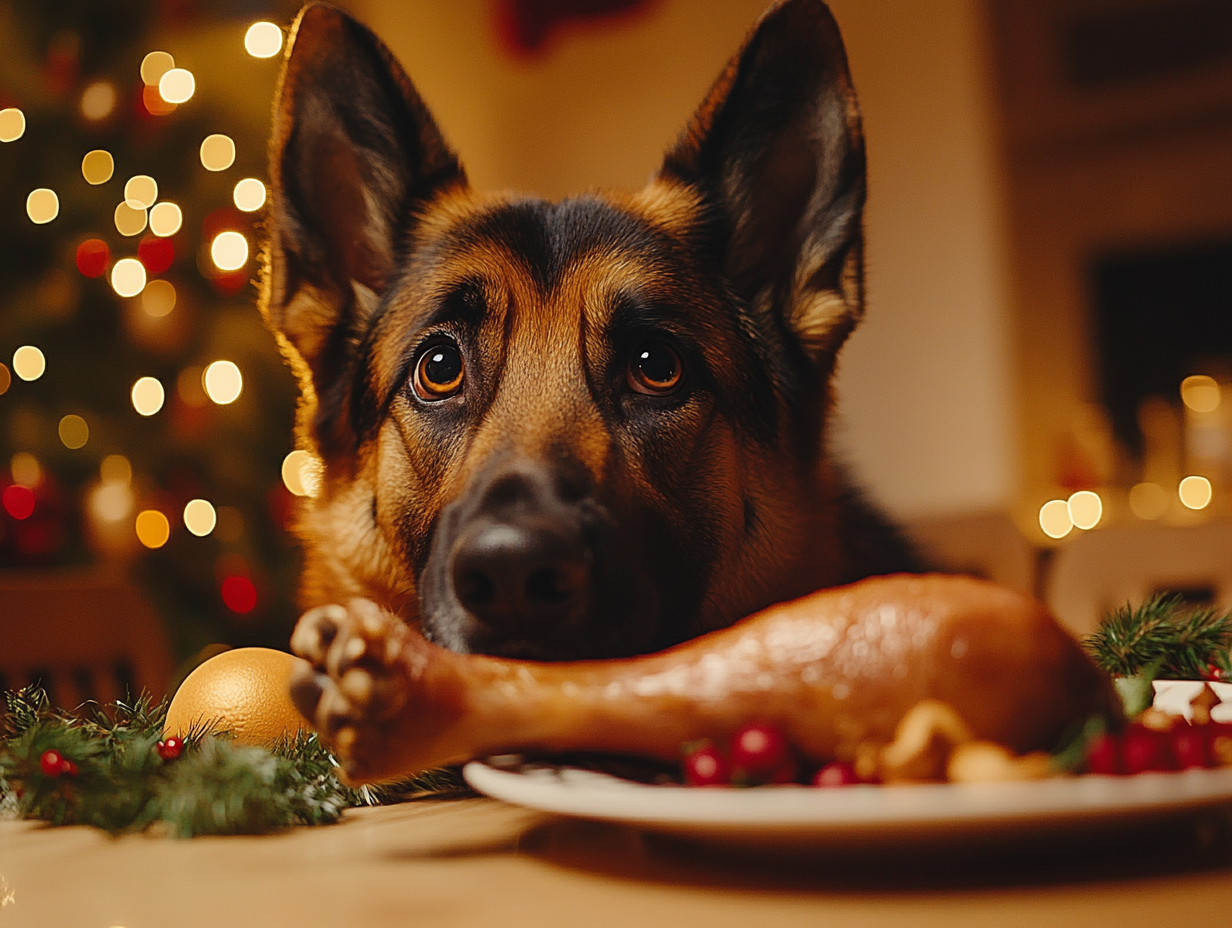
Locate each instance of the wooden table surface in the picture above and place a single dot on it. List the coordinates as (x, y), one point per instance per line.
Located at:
(478, 862)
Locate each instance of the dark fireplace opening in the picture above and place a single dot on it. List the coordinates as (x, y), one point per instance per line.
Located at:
(1160, 315)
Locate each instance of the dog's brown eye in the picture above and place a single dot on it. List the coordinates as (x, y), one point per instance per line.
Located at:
(655, 369)
(439, 372)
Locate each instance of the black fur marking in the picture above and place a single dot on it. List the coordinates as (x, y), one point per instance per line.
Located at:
(873, 544)
(751, 520)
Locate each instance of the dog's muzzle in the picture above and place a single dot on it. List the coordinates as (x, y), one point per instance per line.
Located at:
(523, 573)
(521, 567)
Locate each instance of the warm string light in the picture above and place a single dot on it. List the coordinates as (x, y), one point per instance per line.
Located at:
(153, 102)
(12, 124)
(74, 432)
(97, 167)
(301, 473)
(115, 468)
(229, 251)
(148, 395)
(200, 517)
(217, 152)
(98, 101)
(129, 220)
(152, 527)
(158, 298)
(29, 363)
(263, 40)
(1195, 492)
(249, 195)
(128, 277)
(1085, 509)
(42, 206)
(154, 66)
(26, 469)
(141, 191)
(1200, 393)
(166, 218)
(1054, 518)
(6, 379)
(223, 382)
(112, 500)
(177, 86)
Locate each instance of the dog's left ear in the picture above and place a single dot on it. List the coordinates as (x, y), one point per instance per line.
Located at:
(778, 149)
(353, 149)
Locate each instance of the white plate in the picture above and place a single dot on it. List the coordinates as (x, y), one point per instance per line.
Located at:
(872, 814)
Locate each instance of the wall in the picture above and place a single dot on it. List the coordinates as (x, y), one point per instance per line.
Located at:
(925, 399)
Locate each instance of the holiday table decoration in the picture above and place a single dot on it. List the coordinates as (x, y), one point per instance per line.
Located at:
(1164, 639)
(245, 691)
(1169, 662)
(112, 767)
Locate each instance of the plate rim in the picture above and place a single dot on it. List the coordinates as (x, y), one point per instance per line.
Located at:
(857, 809)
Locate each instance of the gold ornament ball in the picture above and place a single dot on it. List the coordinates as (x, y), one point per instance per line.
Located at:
(245, 691)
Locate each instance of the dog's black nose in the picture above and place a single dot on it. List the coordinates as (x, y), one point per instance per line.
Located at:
(523, 576)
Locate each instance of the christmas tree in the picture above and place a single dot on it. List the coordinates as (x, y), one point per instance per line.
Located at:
(144, 412)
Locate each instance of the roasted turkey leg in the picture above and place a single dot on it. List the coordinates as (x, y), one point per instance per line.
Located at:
(832, 670)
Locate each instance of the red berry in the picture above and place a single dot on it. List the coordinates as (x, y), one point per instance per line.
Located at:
(836, 773)
(1106, 755)
(68, 768)
(760, 754)
(170, 748)
(1191, 745)
(1147, 750)
(707, 767)
(52, 763)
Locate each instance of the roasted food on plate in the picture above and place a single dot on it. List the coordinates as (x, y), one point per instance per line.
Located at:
(892, 673)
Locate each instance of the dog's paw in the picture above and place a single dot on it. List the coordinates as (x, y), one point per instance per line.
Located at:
(356, 681)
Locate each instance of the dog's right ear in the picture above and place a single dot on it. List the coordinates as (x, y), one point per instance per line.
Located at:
(353, 149)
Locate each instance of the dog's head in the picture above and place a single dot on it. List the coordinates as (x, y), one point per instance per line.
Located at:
(574, 429)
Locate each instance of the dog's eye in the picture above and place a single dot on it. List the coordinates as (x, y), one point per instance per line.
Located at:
(655, 369)
(438, 373)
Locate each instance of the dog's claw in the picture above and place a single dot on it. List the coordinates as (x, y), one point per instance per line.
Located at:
(316, 631)
(306, 690)
(356, 682)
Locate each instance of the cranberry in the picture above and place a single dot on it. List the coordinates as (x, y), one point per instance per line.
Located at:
(52, 763)
(170, 748)
(836, 773)
(1147, 750)
(707, 766)
(1191, 745)
(1106, 754)
(760, 754)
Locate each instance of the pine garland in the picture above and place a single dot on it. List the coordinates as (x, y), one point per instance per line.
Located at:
(120, 782)
(1162, 639)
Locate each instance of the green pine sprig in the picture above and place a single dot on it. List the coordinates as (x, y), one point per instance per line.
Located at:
(215, 787)
(1163, 639)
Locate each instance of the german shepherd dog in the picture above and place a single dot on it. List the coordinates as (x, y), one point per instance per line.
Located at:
(583, 429)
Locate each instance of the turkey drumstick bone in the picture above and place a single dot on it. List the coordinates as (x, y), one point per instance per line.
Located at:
(832, 670)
